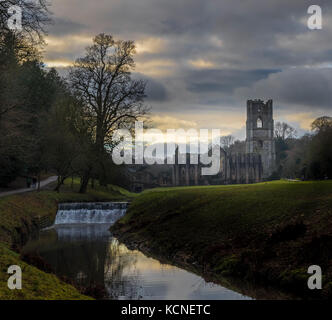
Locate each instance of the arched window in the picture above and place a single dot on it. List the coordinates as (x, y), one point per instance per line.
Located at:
(259, 123)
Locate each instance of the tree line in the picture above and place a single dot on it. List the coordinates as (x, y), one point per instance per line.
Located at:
(308, 157)
(63, 125)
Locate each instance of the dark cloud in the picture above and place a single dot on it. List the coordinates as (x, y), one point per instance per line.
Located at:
(252, 49)
(60, 26)
(223, 80)
(251, 31)
(305, 88)
(155, 90)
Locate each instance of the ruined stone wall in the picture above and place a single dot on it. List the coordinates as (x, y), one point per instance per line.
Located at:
(235, 169)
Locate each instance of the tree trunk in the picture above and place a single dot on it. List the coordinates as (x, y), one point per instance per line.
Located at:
(102, 178)
(100, 151)
(102, 171)
(61, 180)
(84, 182)
(38, 182)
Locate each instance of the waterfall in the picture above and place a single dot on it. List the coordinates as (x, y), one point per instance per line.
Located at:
(95, 212)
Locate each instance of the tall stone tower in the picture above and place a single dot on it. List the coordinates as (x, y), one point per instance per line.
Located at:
(260, 133)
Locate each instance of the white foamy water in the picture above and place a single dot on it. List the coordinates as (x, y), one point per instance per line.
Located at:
(90, 213)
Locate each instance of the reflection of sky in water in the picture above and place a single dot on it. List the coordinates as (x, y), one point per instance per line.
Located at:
(152, 280)
(88, 254)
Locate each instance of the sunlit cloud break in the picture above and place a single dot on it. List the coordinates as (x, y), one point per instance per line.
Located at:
(131, 150)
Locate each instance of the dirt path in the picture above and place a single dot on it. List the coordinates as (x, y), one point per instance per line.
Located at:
(43, 183)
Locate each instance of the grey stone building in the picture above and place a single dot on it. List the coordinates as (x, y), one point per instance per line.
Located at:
(254, 165)
(234, 169)
(260, 133)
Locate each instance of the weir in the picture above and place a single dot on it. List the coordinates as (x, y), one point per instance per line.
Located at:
(89, 213)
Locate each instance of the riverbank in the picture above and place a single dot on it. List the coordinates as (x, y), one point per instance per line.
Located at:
(20, 217)
(268, 233)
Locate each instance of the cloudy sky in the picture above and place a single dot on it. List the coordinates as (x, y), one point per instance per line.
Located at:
(204, 58)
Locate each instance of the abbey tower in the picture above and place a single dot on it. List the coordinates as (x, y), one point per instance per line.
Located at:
(260, 133)
(254, 165)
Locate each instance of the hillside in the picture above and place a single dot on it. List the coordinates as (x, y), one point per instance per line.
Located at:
(269, 232)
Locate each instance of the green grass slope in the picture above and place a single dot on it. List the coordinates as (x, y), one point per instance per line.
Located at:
(36, 284)
(269, 232)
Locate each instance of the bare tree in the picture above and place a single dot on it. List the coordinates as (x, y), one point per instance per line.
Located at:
(227, 141)
(17, 47)
(284, 131)
(35, 16)
(322, 124)
(102, 79)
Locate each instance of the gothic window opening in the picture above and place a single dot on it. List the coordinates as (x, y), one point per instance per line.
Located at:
(260, 144)
(192, 172)
(259, 123)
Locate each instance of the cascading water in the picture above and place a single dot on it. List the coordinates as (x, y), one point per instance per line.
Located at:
(84, 213)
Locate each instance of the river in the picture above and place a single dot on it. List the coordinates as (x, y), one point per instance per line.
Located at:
(88, 254)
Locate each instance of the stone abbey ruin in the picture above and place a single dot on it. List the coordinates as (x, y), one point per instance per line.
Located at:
(255, 164)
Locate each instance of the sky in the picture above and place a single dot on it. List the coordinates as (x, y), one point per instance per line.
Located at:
(203, 59)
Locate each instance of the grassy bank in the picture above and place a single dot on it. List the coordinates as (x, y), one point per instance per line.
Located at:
(268, 232)
(19, 216)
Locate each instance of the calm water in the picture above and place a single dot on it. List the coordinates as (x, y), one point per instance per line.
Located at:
(89, 254)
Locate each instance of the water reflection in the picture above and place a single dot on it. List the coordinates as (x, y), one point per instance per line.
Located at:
(88, 254)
